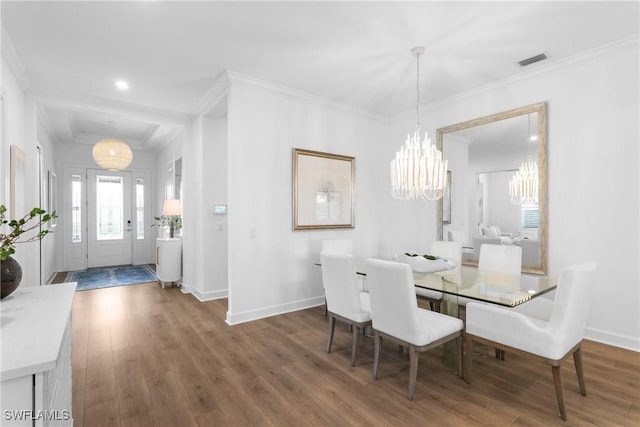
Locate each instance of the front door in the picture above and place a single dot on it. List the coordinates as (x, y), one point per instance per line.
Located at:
(109, 222)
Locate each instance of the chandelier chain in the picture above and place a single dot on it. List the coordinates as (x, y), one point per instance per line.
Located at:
(418, 92)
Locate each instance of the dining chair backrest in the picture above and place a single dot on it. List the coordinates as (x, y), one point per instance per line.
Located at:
(500, 258)
(571, 305)
(394, 306)
(340, 246)
(447, 250)
(500, 265)
(340, 288)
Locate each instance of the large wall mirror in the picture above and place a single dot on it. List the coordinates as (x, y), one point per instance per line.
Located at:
(482, 206)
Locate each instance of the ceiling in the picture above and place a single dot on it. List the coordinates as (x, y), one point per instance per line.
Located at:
(69, 54)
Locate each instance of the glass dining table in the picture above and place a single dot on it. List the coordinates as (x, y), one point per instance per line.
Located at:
(465, 284)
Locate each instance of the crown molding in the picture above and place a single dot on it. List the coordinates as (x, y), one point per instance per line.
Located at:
(13, 60)
(218, 90)
(43, 118)
(541, 69)
(167, 139)
(305, 96)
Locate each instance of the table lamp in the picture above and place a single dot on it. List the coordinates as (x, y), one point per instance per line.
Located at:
(172, 208)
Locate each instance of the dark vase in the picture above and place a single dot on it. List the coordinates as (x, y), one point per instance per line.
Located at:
(11, 276)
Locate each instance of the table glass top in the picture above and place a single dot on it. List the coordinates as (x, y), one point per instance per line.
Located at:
(497, 288)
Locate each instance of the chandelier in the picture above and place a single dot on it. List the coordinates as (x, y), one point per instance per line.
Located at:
(523, 187)
(111, 153)
(418, 170)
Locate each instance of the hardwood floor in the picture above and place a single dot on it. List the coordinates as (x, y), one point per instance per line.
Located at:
(144, 356)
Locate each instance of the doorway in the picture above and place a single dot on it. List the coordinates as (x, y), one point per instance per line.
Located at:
(109, 218)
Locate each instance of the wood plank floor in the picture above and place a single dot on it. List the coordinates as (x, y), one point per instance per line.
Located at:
(144, 356)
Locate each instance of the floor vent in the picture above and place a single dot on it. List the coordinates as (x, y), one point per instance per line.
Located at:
(532, 60)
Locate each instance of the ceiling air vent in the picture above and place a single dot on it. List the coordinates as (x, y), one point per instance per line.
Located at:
(532, 60)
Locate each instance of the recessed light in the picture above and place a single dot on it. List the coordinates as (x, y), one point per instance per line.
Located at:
(122, 85)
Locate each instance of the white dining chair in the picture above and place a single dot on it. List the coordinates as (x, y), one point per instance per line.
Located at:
(344, 301)
(395, 315)
(448, 250)
(551, 340)
(498, 266)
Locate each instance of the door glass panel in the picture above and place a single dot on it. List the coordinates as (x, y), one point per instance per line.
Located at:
(76, 208)
(139, 209)
(109, 201)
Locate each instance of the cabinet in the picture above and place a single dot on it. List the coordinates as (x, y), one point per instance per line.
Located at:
(168, 260)
(36, 356)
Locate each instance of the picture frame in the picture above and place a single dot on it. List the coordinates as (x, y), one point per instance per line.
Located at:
(446, 201)
(53, 198)
(323, 190)
(17, 184)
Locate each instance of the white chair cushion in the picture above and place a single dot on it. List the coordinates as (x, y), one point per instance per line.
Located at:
(434, 326)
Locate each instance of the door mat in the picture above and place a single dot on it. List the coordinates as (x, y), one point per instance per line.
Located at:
(106, 277)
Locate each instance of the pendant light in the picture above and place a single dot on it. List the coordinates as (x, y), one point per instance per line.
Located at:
(112, 154)
(418, 170)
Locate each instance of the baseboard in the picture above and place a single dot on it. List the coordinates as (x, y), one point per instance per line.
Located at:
(51, 278)
(274, 310)
(204, 296)
(623, 341)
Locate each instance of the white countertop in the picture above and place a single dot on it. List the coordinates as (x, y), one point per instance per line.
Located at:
(32, 324)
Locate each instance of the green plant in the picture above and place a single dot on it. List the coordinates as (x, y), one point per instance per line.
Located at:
(165, 221)
(161, 221)
(25, 229)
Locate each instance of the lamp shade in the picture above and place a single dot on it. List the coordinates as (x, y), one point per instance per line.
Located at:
(172, 207)
(112, 154)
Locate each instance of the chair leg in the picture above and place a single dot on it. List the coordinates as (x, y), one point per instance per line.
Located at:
(468, 361)
(459, 345)
(332, 327)
(435, 305)
(413, 370)
(377, 339)
(577, 360)
(557, 382)
(354, 346)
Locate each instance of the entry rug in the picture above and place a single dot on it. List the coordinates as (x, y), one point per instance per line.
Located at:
(106, 277)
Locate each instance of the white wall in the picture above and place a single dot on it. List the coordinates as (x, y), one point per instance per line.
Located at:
(593, 130)
(27, 254)
(271, 266)
(48, 245)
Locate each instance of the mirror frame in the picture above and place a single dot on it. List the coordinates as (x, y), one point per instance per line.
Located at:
(541, 109)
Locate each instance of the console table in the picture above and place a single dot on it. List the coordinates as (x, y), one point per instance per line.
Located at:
(168, 260)
(35, 368)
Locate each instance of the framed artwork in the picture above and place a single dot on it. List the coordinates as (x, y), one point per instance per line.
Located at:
(53, 197)
(17, 186)
(446, 201)
(323, 190)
